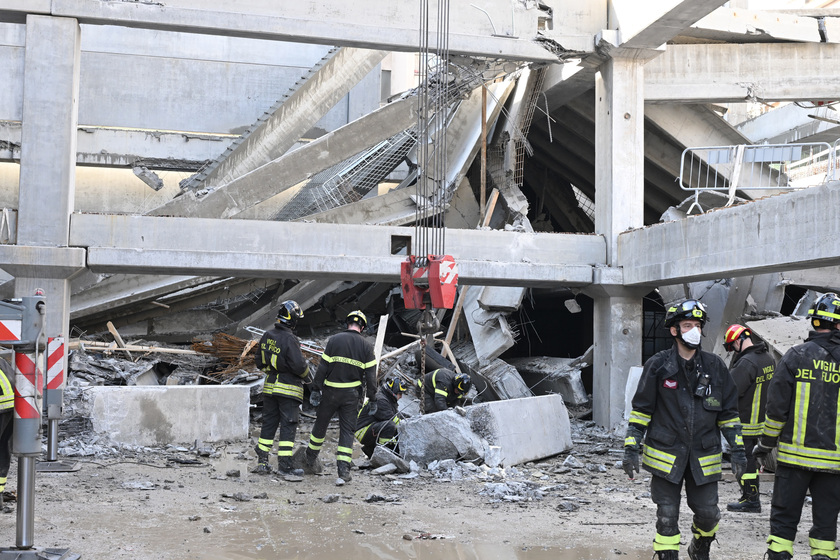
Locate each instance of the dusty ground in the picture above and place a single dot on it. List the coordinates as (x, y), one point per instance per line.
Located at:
(146, 505)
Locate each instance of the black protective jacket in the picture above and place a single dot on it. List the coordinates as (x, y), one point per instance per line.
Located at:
(386, 409)
(439, 391)
(752, 371)
(802, 404)
(279, 356)
(683, 430)
(348, 361)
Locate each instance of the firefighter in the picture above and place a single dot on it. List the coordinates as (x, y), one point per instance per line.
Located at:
(347, 370)
(752, 369)
(802, 419)
(444, 389)
(7, 417)
(378, 419)
(684, 401)
(279, 356)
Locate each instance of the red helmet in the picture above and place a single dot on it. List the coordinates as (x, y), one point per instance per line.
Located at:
(733, 334)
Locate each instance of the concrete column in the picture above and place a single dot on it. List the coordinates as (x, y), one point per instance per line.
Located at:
(619, 205)
(48, 168)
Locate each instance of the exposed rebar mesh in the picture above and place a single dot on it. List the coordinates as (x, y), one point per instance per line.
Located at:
(521, 146)
(585, 203)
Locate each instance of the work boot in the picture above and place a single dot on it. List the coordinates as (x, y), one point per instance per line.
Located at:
(749, 501)
(699, 548)
(770, 555)
(313, 464)
(344, 471)
(667, 555)
(285, 467)
(262, 462)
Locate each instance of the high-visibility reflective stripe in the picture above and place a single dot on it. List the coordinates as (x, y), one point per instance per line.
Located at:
(284, 448)
(342, 385)
(315, 443)
(808, 457)
(630, 441)
(663, 542)
(826, 548)
(756, 405)
(731, 423)
(658, 460)
(441, 392)
(7, 398)
(837, 425)
(344, 458)
(800, 413)
(348, 361)
(265, 444)
(710, 464)
(772, 428)
(343, 453)
(361, 432)
(778, 544)
(283, 389)
(752, 430)
(749, 476)
(384, 440)
(698, 532)
(640, 418)
(340, 449)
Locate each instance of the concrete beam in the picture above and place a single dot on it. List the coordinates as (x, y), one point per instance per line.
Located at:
(290, 169)
(42, 262)
(657, 23)
(743, 26)
(504, 30)
(819, 279)
(108, 147)
(249, 248)
(787, 232)
(735, 73)
(791, 124)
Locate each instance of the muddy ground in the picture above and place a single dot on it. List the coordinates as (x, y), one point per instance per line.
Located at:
(177, 504)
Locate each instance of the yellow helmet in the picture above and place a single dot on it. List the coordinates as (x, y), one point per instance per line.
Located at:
(357, 317)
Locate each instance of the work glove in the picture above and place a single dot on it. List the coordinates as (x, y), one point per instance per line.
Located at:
(315, 398)
(761, 452)
(739, 463)
(632, 449)
(373, 408)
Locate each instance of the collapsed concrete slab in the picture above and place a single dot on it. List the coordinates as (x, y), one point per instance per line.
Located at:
(548, 375)
(524, 429)
(489, 329)
(781, 333)
(155, 416)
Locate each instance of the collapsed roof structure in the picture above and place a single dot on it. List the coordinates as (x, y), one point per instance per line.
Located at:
(184, 167)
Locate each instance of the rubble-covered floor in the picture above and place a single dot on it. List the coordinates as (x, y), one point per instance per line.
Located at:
(201, 502)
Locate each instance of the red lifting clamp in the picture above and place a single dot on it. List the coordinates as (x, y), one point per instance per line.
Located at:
(438, 280)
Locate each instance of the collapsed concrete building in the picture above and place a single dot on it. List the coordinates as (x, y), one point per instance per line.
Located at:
(182, 168)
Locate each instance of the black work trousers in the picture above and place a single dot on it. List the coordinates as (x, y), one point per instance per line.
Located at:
(749, 445)
(703, 501)
(282, 412)
(345, 401)
(7, 421)
(383, 432)
(789, 489)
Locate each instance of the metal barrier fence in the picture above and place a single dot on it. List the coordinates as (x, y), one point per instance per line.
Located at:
(768, 167)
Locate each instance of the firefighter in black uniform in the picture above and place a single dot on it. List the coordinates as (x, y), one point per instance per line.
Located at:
(752, 369)
(684, 401)
(347, 369)
(378, 418)
(804, 420)
(279, 356)
(7, 420)
(443, 388)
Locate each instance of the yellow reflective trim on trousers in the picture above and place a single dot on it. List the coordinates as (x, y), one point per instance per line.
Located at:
(826, 548)
(800, 413)
(284, 452)
(316, 439)
(344, 458)
(698, 532)
(340, 449)
(342, 385)
(639, 418)
(663, 542)
(343, 360)
(315, 443)
(778, 544)
(710, 464)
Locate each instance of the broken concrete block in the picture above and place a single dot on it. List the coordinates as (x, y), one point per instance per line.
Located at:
(525, 429)
(494, 381)
(383, 456)
(385, 469)
(438, 436)
(501, 298)
(148, 377)
(781, 333)
(547, 375)
(154, 416)
(489, 330)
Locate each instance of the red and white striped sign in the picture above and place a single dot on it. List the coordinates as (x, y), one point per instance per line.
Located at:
(55, 362)
(27, 387)
(10, 330)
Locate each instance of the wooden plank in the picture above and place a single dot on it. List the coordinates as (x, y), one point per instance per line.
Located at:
(118, 339)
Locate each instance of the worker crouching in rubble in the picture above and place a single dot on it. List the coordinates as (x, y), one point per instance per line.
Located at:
(379, 417)
(347, 367)
(684, 401)
(443, 388)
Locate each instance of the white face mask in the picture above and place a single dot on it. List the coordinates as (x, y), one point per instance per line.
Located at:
(692, 337)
